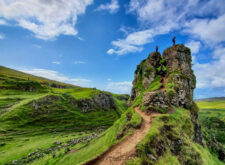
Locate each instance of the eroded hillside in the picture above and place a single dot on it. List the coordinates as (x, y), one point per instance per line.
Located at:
(40, 117)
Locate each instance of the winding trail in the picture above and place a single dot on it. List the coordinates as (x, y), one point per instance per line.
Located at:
(126, 149)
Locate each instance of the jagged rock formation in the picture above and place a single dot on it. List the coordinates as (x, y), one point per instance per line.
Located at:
(164, 84)
(179, 77)
(174, 87)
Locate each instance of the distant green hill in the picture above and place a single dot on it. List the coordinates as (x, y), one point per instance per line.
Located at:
(42, 115)
(212, 119)
(11, 74)
(211, 99)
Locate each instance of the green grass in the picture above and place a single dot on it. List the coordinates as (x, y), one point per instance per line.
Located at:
(101, 144)
(23, 129)
(10, 74)
(166, 130)
(212, 119)
(19, 146)
(212, 105)
(156, 84)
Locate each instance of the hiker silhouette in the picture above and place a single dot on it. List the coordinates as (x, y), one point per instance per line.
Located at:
(174, 40)
(156, 48)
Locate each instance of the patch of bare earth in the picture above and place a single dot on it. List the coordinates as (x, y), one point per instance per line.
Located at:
(126, 149)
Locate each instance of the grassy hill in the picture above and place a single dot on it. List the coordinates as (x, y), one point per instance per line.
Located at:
(212, 119)
(212, 99)
(44, 124)
(39, 116)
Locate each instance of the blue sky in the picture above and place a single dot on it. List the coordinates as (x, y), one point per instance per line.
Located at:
(99, 43)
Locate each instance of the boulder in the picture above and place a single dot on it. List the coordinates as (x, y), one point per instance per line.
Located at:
(155, 99)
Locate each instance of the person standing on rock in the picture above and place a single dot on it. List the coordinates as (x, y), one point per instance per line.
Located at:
(174, 40)
(156, 48)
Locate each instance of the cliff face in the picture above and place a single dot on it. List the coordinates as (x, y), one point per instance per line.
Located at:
(179, 75)
(165, 84)
(177, 80)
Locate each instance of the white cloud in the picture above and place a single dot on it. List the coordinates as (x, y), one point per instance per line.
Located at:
(134, 41)
(2, 36)
(54, 75)
(3, 22)
(194, 46)
(112, 7)
(123, 87)
(46, 19)
(157, 17)
(210, 75)
(209, 30)
(79, 62)
(56, 62)
(80, 82)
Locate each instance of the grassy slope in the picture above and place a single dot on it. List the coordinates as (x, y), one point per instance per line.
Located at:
(168, 129)
(212, 119)
(22, 133)
(14, 74)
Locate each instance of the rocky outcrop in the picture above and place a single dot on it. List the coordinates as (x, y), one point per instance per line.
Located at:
(180, 80)
(197, 129)
(100, 101)
(45, 101)
(180, 75)
(145, 74)
(166, 81)
(155, 99)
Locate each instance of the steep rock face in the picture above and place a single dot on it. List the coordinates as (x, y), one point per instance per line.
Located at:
(145, 74)
(101, 101)
(166, 81)
(180, 75)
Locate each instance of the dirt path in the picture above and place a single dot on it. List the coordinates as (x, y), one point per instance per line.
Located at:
(164, 81)
(126, 149)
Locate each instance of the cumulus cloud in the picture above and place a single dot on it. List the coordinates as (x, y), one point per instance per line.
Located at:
(209, 30)
(2, 36)
(194, 46)
(209, 74)
(112, 7)
(54, 75)
(123, 87)
(134, 41)
(190, 16)
(46, 19)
